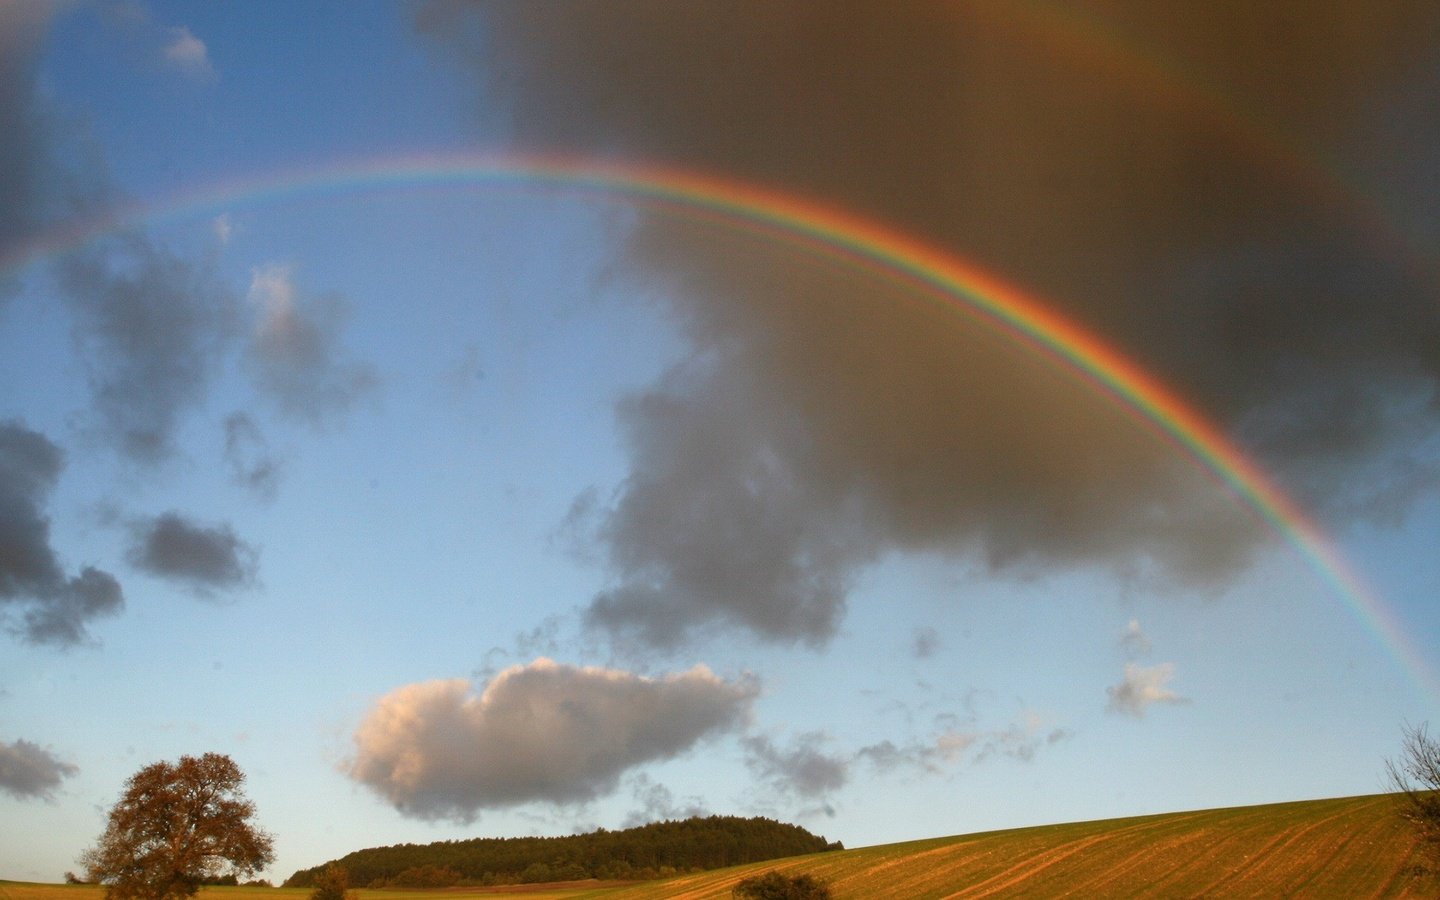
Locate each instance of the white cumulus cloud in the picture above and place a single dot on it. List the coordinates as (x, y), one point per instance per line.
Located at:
(544, 731)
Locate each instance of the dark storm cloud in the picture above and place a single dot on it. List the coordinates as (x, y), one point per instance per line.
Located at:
(542, 732)
(839, 420)
(38, 600)
(714, 525)
(206, 558)
(150, 327)
(294, 353)
(30, 772)
(22, 131)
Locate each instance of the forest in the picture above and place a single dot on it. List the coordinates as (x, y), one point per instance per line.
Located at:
(656, 850)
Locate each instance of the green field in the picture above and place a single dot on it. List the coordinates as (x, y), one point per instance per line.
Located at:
(1347, 848)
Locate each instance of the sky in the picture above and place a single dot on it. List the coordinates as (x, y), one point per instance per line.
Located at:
(903, 420)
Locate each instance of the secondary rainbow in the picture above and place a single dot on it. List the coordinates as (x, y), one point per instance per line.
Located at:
(956, 284)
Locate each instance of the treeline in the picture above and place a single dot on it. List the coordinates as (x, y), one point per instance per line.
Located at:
(657, 850)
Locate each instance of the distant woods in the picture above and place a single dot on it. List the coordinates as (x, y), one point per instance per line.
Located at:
(656, 850)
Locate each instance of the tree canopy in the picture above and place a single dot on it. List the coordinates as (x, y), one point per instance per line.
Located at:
(647, 851)
(177, 826)
(778, 886)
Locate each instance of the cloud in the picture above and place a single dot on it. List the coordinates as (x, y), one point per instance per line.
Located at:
(247, 453)
(205, 558)
(804, 769)
(23, 139)
(542, 732)
(657, 803)
(186, 53)
(53, 607)
(1141, 688)
(1133, 640)
(955, 741)
(1020, 740)
(925, 642)
(30, 772)
(716, 526)
(849, 420)
(223, 228)
(293, 354)
(150, 327)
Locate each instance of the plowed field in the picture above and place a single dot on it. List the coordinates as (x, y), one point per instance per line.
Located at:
(1350, 848)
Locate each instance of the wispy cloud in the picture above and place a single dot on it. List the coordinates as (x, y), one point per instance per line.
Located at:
(924, 643)
(542, 732)
(186, 53)
(294, 354)
(804, 769)
(151, 328)
(1141, 688)
(955, 741)
(657, 803)
(1133, 640)
(31, 772)
(252, 463)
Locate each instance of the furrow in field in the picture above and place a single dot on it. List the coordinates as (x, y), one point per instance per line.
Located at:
(1036, 863)
(1258, 862)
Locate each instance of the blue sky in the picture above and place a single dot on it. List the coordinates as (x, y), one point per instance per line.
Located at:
(450, 509)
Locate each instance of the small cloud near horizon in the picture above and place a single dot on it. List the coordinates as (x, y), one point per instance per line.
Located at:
(1141, 688)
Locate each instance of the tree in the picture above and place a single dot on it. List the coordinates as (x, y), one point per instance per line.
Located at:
(775, 886)
(178, 825)
(1416, 775)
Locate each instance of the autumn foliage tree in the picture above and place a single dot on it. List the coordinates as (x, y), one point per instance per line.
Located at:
(176, 826)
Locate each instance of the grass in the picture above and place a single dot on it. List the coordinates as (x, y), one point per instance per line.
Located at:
(1354, 847)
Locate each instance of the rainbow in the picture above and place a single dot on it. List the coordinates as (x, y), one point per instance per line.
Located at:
(960, 286)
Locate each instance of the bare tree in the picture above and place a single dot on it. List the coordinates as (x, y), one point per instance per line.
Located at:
(177, 826)
(1416, 775)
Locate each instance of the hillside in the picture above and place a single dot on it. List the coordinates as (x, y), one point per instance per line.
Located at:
(1353, 847)
(647, 851)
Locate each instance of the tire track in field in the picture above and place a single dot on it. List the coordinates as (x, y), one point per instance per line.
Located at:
(1354, 844)
(1031, 865)
(1263, 854)
(1140, 856)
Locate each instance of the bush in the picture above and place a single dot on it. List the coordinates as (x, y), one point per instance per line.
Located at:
(775, 886)
(333, 883)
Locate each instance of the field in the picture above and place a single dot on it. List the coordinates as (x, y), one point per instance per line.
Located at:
(1353, 848)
